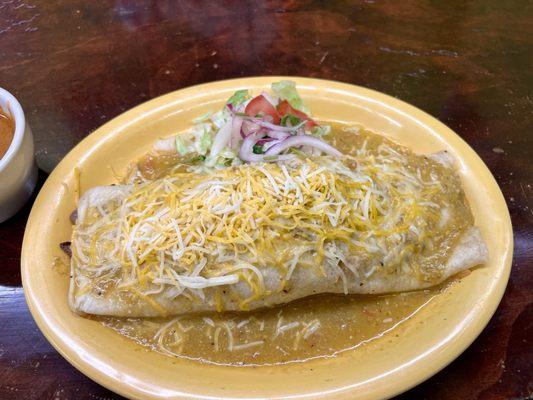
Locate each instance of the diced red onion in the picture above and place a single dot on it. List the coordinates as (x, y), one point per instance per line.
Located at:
(280, 135)
(246, 151)
(248, 127)
(302, 140)
(269, 144)
(275, 127)
(261, 142)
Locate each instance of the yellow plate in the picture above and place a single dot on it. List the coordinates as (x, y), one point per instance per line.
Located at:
(384, 367)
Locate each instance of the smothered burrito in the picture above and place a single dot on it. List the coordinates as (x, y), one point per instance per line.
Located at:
(256, 207)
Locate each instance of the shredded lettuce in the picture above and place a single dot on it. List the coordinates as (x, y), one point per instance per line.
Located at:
(286, 90)
(236, 161)
(290, 120)
(203, 138)
(321, 130)
(228, 153)
(220, 118)
(205, 142)
(210, 161)
(180, 146)
(239, 97)
(223, 159)
(202, 118)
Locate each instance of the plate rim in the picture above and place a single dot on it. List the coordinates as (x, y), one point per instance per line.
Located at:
(482, 318)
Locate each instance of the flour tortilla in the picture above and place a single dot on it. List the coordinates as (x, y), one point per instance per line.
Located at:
(469, 251)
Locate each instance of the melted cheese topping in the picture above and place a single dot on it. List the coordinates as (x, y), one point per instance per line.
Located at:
(197, 229)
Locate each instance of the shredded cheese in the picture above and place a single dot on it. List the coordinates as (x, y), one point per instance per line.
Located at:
(194, 230)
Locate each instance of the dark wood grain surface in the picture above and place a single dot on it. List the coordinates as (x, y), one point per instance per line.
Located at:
(76, 64)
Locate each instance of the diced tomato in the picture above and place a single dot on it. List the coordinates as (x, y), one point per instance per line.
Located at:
(284, 108)
(260, 105)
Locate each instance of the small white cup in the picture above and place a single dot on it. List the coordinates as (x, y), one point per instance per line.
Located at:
(18, 172)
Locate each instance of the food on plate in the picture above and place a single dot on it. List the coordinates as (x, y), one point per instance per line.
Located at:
(259, 205)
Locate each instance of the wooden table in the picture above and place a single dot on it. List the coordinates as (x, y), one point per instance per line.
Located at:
(76, 64)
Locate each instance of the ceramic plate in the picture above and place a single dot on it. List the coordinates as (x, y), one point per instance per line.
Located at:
(420, 347)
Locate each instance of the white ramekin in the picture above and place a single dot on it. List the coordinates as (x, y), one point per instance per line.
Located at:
(18, 172)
